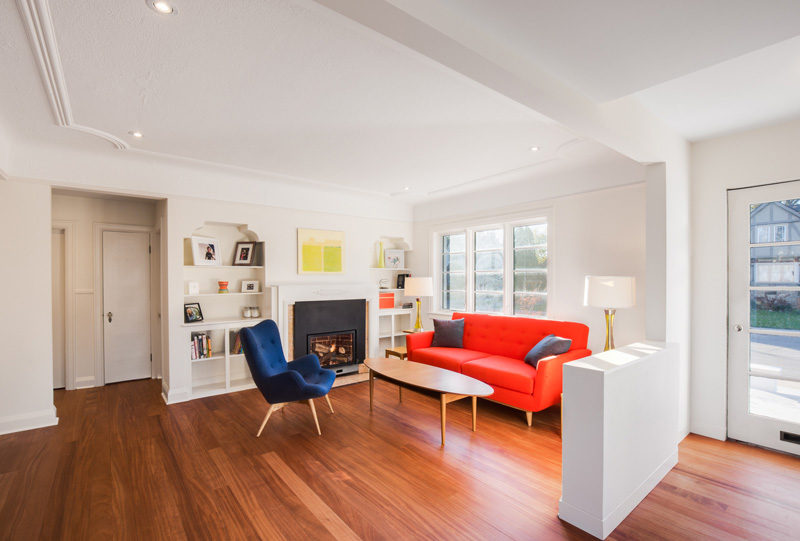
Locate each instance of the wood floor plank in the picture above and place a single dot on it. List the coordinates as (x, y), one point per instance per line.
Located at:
(121, 464)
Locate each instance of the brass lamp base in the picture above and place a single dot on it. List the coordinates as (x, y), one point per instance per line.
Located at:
(418, 324)
(609, 328)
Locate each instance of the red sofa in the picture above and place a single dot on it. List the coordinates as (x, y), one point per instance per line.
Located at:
(494, 352)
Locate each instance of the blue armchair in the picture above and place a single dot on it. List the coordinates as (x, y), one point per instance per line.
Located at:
(279, 381)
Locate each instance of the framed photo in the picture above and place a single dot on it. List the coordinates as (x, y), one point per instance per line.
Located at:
(245, 253)
(249, 286)
(206, 251)
(192, 312)
(394, 259)
(320, 251)
(401, 280)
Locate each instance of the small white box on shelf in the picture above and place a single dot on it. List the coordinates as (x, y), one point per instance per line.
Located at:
(194, 288)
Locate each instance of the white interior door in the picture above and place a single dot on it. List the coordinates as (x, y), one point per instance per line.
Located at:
(59, 313)
(764, 316)
(126, 305)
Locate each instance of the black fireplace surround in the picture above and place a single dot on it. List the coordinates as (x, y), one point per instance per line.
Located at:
(314, 318)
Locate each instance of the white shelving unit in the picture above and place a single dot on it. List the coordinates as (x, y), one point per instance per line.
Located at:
(224, 371)
(392, 321)
(399, 319)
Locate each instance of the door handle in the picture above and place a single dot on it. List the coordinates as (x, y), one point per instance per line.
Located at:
(110, 315)
(737, 327)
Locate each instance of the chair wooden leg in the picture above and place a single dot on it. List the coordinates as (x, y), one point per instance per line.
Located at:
(269, 412)
(529, 417)
(314, 413)
(328, 399)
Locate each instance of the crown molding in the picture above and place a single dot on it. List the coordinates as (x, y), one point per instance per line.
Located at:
(39, 26)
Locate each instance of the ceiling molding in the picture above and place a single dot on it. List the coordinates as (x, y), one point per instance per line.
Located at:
(39, 26)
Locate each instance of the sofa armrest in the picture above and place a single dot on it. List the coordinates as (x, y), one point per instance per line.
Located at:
(418, 340)
(549, 378)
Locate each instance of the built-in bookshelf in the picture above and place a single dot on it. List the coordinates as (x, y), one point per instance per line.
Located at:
(213, 350)
(392, 321)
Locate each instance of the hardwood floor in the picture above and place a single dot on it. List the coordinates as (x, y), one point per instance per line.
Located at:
(121, 464)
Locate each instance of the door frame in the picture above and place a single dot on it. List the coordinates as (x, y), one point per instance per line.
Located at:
(99, 334)
(730, 372)
(68, 227)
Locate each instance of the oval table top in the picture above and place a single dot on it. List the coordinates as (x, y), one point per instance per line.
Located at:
(428, 377)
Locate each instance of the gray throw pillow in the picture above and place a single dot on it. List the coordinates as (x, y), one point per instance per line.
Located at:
(448, 333)
(549, 345)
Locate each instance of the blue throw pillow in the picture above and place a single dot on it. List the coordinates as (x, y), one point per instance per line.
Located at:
(549, 345)
(448, 333)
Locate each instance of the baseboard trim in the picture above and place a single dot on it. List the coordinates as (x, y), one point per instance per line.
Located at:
(602, 527)
(28, 421)
(716, 432)
(173, 396)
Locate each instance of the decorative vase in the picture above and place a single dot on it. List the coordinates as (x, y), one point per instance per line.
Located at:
(381, 264)
(223, 286)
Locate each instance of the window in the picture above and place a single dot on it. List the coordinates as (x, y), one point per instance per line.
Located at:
(454, 276)
(498, 269)
(530, 269)
(488, 270)
(780, 233)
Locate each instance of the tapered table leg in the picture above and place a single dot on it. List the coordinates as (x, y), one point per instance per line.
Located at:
(444, 413)
(371, 387)
(474, 413)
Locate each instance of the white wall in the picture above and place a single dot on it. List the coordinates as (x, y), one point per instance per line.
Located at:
(83, 213)
(26, 385)
(278, 228)
(750, 158)
(600, 232)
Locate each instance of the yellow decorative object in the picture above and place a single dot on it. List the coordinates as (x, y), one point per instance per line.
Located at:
(320, 251)
(381, 264)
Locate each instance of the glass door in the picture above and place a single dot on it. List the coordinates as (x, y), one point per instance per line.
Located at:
(764, 316)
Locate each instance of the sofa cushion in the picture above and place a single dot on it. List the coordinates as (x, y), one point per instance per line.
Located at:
(447, 358)
(514, 336)
(501, 371)
(549, 345)
(448, 333)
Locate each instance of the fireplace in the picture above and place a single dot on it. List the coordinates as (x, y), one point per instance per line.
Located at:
(333, 349)
(335, 331)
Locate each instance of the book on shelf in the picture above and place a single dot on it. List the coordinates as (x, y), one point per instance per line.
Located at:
(201, 345)
(236, 347)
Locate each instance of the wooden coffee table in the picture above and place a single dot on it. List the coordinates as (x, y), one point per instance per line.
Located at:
(450, 385)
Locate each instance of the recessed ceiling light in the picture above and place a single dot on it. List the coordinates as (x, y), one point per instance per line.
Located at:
(136, 134)
(534, 149)
(405, 188)
(162, 7)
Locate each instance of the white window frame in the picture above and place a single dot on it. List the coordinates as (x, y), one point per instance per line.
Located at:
(469, 228)
(775, 227)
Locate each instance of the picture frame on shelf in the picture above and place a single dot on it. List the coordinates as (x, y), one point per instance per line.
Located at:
(206, 251)
(394, 259)
(250, 286)
(192, 313)
(245, 253)
(401, 280)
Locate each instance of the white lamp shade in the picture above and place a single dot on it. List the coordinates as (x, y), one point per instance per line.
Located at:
(419, 287)
(610, 291)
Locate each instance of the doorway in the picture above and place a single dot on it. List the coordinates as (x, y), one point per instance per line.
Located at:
(58, 262)
(764, 316)
(126, 305)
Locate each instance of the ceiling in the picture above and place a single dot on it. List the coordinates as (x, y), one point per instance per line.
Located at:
(300, 92)
(287, 88)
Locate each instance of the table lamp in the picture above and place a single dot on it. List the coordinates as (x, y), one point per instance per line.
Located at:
(418, 287)
(609, 293)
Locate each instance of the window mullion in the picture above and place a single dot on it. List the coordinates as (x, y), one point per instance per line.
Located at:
(508, 269)
(470, 270)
